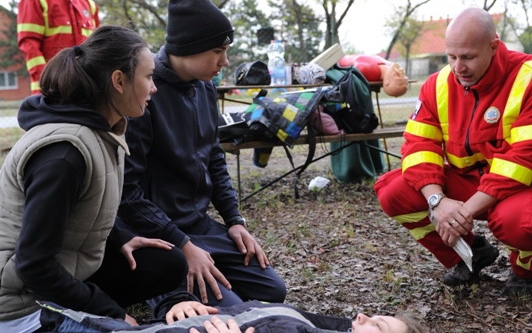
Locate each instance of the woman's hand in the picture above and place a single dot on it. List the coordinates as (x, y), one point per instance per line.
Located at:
(138, 242)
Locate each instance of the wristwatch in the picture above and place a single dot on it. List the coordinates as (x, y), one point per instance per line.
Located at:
(435, 199)
(237, 220)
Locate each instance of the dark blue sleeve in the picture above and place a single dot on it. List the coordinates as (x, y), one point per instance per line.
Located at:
(136, 211)
(53, 179)
(224, 196)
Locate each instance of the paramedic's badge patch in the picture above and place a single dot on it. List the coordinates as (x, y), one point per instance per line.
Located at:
(492, 115)
(418, 106)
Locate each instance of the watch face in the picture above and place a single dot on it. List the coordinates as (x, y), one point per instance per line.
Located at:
(434, 200)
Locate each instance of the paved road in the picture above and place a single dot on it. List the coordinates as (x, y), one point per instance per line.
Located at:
(7, 122)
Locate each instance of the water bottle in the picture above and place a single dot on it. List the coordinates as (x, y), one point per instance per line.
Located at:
(276, 63)
(279, 72)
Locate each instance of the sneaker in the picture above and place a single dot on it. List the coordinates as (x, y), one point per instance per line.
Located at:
(484, 254)
(517, 286)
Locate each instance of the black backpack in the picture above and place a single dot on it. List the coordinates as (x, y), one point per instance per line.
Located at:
(349, 100)
(254, 73)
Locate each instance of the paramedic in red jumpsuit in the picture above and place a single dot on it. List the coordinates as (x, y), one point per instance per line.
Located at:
(468, 154)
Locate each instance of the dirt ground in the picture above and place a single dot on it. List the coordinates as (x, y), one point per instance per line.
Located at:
(340, 254)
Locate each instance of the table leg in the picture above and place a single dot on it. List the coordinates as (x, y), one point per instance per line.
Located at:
(382, 126)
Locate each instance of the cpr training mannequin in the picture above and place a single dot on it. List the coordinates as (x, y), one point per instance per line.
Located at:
(375, 68)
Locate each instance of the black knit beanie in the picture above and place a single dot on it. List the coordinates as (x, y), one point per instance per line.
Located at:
(195, 26)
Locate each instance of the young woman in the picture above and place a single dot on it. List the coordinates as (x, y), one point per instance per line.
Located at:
(61, 184)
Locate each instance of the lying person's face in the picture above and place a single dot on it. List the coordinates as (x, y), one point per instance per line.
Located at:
(377, 324)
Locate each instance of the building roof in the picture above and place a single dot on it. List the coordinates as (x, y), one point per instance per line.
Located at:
(431, 40)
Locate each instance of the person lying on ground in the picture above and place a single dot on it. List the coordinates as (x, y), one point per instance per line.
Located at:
(253, 316)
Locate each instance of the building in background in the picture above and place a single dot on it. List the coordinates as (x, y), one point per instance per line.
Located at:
(14, 80)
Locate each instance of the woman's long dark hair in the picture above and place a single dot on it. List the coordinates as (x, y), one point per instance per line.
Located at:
(82, 74)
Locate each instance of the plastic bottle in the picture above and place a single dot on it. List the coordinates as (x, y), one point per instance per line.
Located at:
(276, 63)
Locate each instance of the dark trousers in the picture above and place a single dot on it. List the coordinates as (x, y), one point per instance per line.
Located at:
(158, 271)
(248, 282)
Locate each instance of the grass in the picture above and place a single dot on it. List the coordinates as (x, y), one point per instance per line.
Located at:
(8, 137)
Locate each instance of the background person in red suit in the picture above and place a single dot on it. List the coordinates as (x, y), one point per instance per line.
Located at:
(45, 27)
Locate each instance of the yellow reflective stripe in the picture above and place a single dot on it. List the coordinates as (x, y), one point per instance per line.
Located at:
(520, 259)
(63, 29)
(521, 133)
(35, 61)
(423, 130)
(515, 98)
(411, 217)
(44, 5)
(417, 233)
(86, 32)
(512, 170)
(421, 232)
(464, 162)
(422, 157)
(35, 86)
(442, 93)
(30, 27)
(92, 6)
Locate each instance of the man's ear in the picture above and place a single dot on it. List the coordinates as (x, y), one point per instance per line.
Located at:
(494, 44)
(119, 80)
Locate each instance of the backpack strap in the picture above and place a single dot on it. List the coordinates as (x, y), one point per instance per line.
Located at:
(310, 156)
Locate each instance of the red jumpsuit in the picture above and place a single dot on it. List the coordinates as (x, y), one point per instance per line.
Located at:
(45, 27)
(467, 140)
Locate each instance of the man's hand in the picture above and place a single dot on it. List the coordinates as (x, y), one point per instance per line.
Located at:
(216, 325)
(248, 245)
(201, 269)
(140, 242)
(188, 309)
(452, 220)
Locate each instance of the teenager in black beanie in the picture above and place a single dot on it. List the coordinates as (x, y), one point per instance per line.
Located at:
(177, 168)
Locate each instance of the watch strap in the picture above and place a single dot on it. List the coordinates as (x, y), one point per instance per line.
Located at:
(236, 220)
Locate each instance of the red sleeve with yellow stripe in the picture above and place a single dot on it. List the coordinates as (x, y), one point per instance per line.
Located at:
(422, 152)
(47, 26)
(30, 32)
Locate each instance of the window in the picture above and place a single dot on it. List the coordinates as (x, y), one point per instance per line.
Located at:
(8, 81)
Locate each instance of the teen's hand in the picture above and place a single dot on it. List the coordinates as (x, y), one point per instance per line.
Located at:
(248, 245)
(201, 270)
